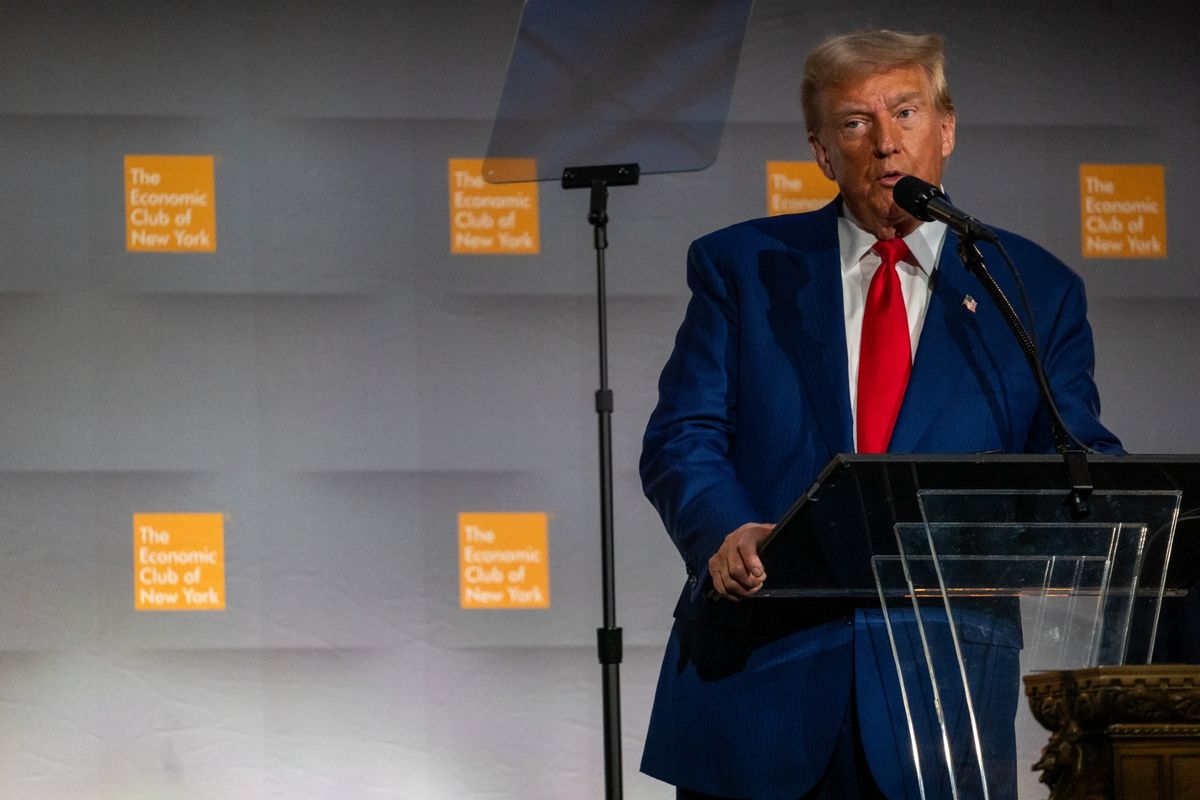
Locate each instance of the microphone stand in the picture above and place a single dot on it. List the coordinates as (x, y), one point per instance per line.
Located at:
(608, 638)
(1074, 456)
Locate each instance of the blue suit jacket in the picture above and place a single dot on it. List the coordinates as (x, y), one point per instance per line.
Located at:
(753, 403)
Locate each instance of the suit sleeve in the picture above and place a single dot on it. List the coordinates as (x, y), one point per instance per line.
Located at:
(1068, 357)
(686, 466)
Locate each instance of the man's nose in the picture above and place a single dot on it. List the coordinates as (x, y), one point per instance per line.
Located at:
(885, 137)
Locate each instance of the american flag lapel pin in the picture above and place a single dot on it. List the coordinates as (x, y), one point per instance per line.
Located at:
(969, 304)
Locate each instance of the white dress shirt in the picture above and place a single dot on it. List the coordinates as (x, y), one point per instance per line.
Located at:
(859, 263)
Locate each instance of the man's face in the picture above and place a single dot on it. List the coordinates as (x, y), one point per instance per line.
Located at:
(875, 131)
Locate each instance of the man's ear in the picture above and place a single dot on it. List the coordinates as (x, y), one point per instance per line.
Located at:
(948, 125)
(822, 156)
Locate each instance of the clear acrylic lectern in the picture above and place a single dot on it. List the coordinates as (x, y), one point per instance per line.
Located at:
(963, 550)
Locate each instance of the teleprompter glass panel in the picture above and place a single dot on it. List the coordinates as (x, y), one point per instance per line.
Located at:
(616, 82)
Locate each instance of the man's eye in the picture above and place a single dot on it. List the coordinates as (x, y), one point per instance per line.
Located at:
(905, 113)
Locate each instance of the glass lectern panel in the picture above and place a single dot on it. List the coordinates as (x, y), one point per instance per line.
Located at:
(986, 572)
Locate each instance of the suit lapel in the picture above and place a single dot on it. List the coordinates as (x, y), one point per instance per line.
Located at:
(818, 330)
(937, 369)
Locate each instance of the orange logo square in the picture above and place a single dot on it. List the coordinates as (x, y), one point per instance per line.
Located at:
(794, 187)
(491, 218)
(1123, 211)
(503, 560)
(179, 562)
(169, 204)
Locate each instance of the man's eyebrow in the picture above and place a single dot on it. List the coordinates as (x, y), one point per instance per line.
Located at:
(907, 97)
(850, 109)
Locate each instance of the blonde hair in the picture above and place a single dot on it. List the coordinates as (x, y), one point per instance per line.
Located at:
(842, 59)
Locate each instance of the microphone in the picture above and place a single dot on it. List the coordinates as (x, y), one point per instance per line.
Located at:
(927, 202)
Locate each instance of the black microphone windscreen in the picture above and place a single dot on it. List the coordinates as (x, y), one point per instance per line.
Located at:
(913, 195)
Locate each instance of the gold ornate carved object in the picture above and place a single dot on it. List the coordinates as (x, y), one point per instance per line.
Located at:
(1119, 732)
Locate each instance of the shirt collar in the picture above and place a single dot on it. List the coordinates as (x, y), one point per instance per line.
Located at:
(925, 242)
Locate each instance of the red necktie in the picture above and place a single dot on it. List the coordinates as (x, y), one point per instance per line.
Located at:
(885, 354)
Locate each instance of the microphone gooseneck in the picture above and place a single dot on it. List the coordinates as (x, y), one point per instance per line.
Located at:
(927, 202)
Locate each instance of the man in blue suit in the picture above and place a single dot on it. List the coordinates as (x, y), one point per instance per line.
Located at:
(788, 356)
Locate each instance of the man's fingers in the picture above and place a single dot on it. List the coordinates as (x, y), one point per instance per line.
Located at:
(735, 568)
(726, 584)
(748, 553)
(724, 587)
